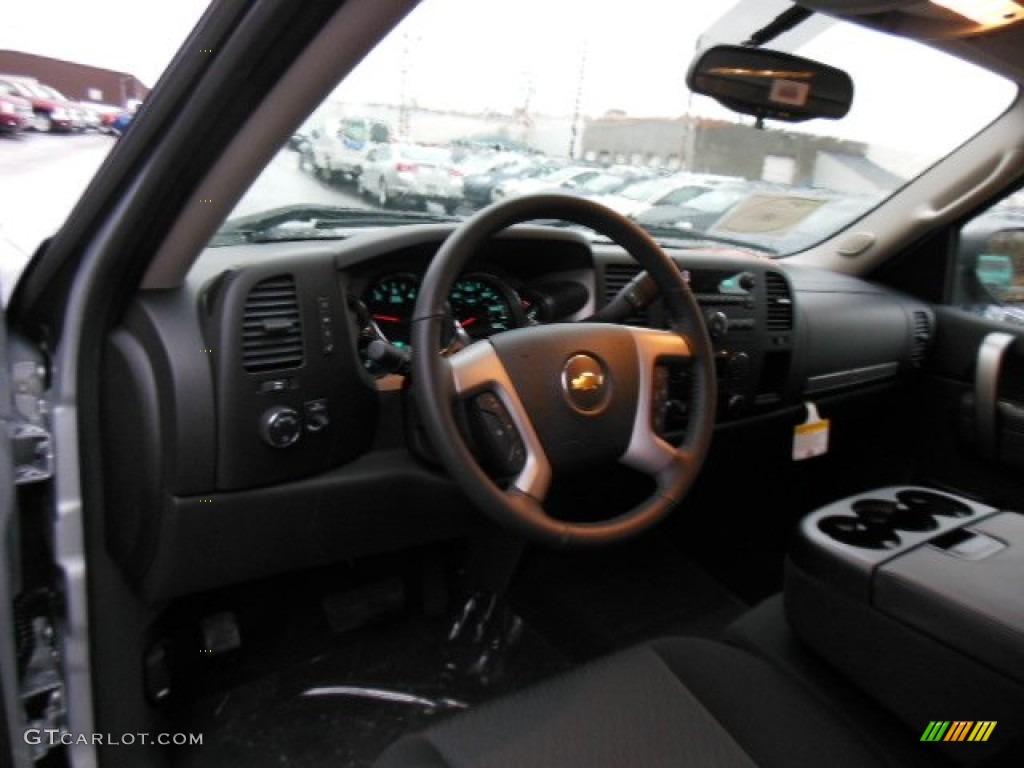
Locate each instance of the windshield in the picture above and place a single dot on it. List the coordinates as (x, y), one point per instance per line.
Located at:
(512, 91)
(578, 101)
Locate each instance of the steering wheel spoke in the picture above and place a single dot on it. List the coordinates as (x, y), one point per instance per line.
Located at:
(477, 370)
(648, 452)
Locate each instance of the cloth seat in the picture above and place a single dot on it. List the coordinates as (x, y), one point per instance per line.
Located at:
(674, 702)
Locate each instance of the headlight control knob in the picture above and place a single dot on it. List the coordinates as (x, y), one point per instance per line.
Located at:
(718, 324)
(280, 426)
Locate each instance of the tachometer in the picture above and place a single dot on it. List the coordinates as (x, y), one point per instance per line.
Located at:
(390, 302)
(483, 306)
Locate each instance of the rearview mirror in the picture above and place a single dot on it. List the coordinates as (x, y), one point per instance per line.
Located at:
(770, 84)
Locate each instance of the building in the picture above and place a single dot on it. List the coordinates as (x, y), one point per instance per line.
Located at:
(79, 82)
(733, 149)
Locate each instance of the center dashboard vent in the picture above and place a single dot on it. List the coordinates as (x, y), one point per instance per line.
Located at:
(616, 277)
(272, 326)
(779, 303)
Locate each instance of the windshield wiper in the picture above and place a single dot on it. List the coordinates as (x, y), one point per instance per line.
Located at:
(313, 222)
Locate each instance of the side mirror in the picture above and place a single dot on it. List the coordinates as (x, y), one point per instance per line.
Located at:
(998, 265)
(770, 84)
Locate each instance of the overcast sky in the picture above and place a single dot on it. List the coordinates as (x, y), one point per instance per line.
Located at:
(500, 54)
(637, 63)
(134, 36)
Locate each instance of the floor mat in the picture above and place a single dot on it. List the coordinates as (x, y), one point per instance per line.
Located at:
(343, 707)
(340, 699)
(591, 603)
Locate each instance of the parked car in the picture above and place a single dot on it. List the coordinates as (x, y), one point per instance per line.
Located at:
(675, 190)
(116, 121)
(700, 211)
(612, 180)
(478, 189)
(990, 257)
(51, 114)
(15, 113)
(410, 175)
(569, 178)
(336, 148)
(96, 113)
(493, 142)
(79, 115)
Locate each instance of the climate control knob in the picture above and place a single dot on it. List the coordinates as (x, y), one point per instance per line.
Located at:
(280, 426)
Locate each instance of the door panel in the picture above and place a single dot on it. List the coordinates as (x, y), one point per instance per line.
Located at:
(13, 749)
(972, 417)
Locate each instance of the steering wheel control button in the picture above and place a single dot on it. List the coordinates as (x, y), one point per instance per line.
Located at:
(586, 384)
(280, 426)
(503, 449)
(316, 415)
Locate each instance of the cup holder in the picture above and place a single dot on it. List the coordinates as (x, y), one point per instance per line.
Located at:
(934, 503)
(894, 515)
(858, 532)
(875, 522)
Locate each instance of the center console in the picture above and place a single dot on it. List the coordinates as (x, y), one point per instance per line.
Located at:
(917, 596)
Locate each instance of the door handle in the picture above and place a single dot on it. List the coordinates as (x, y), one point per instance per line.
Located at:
(991, 356)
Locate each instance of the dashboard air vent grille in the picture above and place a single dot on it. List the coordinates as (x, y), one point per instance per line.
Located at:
(272, 326)
(922, 337)
(616, 277)
(779, 303)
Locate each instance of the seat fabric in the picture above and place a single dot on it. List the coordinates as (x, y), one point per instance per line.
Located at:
(674, 702)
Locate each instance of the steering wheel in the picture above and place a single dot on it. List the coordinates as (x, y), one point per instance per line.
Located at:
(564, 396)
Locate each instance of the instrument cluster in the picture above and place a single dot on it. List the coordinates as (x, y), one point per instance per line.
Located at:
(481, 305)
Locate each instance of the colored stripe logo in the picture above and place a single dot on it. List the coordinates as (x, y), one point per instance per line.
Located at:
(958, 730)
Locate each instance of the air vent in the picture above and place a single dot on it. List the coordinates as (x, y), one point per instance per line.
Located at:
(922, 337)
(616, 277)
(779, 303)
(272, 326)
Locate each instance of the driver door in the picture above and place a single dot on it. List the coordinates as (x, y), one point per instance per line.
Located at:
(32, 690)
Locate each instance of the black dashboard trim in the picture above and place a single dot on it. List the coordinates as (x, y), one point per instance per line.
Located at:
(180, 526)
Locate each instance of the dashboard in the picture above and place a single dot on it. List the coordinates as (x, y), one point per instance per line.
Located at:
(266, 436)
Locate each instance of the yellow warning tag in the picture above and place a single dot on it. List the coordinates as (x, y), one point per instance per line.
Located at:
(810, 439)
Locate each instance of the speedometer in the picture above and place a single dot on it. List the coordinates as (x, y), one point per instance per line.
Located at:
(482, 305)
(390, 302)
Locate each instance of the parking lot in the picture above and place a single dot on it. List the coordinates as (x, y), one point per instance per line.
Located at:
(42, 176)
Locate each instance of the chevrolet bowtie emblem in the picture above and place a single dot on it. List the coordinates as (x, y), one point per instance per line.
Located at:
(588, 381)
(586, 384)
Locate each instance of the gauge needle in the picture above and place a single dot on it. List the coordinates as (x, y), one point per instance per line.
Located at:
(387, 318)
(467, 322)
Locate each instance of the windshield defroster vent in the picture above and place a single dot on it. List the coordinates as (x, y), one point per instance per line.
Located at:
(272, 326)
(779, 303)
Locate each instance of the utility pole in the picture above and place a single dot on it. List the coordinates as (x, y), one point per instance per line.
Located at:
(404, 97)
(577, 116)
